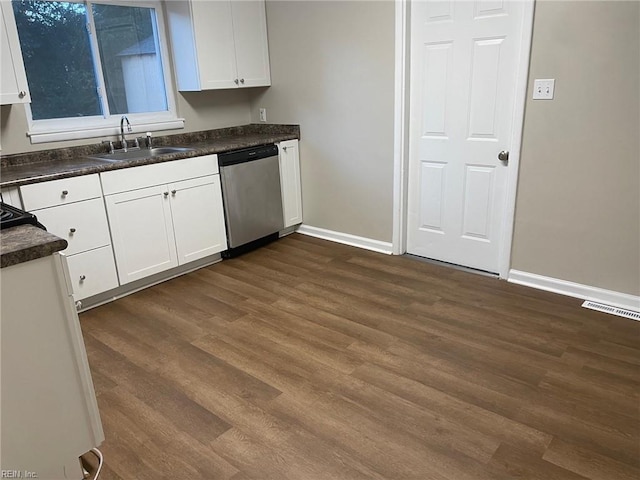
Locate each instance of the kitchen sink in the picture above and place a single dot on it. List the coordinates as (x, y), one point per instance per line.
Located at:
(135, 154)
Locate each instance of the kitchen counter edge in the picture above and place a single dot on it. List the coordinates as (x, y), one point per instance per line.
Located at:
(25, 242)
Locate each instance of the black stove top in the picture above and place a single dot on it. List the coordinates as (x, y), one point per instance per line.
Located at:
(12, 217)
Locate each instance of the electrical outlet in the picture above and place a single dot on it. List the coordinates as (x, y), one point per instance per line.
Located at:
(263, 114)
(543, 88)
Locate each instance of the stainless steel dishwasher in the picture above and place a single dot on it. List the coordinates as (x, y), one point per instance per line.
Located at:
(252, 197)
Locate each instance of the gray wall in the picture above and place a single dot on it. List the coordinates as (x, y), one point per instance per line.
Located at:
(332, 69)
(578, 206)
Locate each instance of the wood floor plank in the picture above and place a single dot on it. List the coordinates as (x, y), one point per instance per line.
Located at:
(592, 436)
(588, 463)
(338, 359)
(518, 464)
(345, 325)
(176, 453)
(307, 359)
(293, 323)
(501, 428)
(170, 402)
(619, 368)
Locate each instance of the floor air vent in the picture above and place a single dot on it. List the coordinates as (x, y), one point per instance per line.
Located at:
(621, 312)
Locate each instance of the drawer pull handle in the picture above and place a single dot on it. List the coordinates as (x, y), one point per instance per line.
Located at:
(166, 194)
(83, 278)
(65, 193)
(22, 94)
(72, 230)
(173, 192)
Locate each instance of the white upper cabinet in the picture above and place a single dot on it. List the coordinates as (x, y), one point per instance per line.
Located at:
(13, 79)
(252, 46)
(219, 44)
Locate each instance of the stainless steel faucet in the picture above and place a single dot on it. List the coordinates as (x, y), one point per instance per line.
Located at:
(123, 140)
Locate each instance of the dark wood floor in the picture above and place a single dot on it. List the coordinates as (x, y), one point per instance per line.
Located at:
(311, 360)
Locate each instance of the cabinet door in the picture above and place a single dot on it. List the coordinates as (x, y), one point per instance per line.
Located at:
(213, 31)
(142, 232)
(13, 80)
(290, 182)
(48, 400)
(198, 218)
(252, 49)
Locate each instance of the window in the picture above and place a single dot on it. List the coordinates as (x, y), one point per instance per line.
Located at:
(90, 63)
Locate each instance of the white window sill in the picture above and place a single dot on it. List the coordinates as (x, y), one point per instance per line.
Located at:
(53, 135)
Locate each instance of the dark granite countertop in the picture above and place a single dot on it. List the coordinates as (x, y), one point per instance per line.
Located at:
(23, 243)
(23, 169)
(26, 242)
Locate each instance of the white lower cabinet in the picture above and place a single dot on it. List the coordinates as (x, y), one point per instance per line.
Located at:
(73, 209)
(49, 411)
(290, 182)
(198, 219)
(11, 196)
(142, 232)
(166, 225)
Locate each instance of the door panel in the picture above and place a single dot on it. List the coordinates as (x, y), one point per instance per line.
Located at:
(431, 204)
(198, 218)
(438, 11)
(290, 182)
(490, 8)
(141, 248)
(463, 77)
(250, 34)
(437, 61)
(477, 205)
(484, 84)
(216, 49)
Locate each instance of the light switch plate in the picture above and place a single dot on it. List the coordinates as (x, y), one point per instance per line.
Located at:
(263, 114)
(543, 88)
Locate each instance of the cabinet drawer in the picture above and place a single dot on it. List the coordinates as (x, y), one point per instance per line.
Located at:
(82, 224)
(60, 192)
(92, 272)
(145, 176)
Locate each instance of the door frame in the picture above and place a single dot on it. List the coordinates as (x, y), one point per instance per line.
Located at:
(401, 130)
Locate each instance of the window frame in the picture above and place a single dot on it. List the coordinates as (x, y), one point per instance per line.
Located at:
(77, 128)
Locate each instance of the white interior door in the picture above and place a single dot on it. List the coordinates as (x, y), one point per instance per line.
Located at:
(464, 68)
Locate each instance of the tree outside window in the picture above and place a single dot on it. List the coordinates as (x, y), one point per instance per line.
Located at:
(72, 74)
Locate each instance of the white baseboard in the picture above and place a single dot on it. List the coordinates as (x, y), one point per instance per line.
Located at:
(347, 239)
(577, 290)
